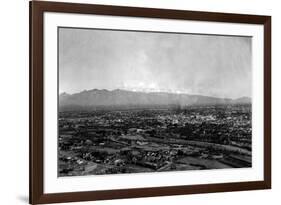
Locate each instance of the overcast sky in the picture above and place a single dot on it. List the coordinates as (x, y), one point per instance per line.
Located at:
(143, 61)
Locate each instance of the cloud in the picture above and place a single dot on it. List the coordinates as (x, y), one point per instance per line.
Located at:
(145, 61)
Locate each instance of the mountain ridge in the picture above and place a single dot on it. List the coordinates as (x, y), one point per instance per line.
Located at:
(119, 97)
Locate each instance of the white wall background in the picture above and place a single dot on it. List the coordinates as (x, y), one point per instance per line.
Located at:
(14, 101)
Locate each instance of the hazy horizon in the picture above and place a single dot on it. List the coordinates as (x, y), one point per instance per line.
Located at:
(145, 92)
(208, 65)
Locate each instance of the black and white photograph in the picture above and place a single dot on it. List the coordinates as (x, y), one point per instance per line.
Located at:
(146, 101)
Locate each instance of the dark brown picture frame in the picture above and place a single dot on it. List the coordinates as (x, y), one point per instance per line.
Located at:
(37, 8)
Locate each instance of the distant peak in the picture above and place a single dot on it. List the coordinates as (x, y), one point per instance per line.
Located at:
(243, 97)
(243, 100)
(64, 94)
(118, 89)
(94, 90)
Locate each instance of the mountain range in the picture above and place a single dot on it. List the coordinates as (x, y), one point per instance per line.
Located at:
(124, 98)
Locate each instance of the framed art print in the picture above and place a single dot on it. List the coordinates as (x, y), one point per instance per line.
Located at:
(138, 102)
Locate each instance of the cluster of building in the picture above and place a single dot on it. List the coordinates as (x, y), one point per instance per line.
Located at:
(130, 141)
